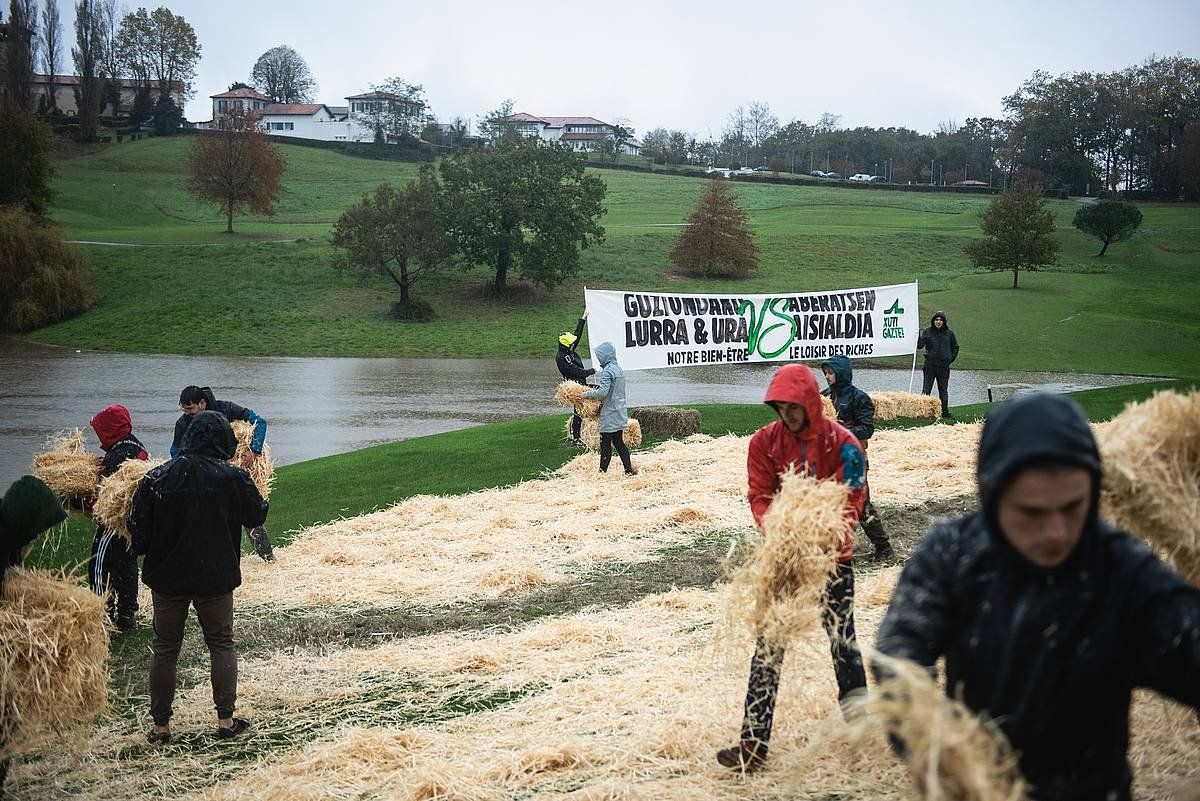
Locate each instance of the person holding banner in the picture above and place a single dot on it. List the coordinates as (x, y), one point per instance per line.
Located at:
(801, 439)
(570, 366)
(941, 349)
(614, 415)
(856, 411)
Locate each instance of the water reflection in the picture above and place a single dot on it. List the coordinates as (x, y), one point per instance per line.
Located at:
(321, 406)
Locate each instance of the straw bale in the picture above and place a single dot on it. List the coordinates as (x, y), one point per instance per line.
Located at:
(589, 432)
(951, 752)
(785, 577)
(892, 405)
(262, 472)
(570, 394)
(53, 659)
(1151, 485)
(114, 500)
(667, 421)
(66, 468)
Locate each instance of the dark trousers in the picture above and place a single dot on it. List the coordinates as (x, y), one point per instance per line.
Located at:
(838, 618)
(608, 441)
(576, 424)
(942, 376)
(872, 525)
(216, 621)
(113, 568)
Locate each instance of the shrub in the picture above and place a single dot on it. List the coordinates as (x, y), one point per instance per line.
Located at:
(42, 278)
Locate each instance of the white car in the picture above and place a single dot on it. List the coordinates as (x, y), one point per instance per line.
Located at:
(861, 176)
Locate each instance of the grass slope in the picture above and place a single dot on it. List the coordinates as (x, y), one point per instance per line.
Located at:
(1132, 311)
(499, 454)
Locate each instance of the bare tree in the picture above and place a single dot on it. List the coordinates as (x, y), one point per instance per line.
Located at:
(828, 122)
(20, 54)
(761, 123)
(86, 55)
(283, 75)
(111, 62)
(52, 47)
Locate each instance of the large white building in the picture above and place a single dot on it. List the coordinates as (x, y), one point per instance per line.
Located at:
(306, 120)
(579, 133)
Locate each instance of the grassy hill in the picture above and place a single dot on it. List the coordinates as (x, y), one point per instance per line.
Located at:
(269, 290)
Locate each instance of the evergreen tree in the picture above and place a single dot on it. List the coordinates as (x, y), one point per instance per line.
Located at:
(717, 242)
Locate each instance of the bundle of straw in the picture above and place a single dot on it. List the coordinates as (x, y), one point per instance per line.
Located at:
(891, 405)
(262, 472)
(668, 421)
(570, 393)
(827, 406)
(951, 752)
(782, 584)
(1151, 486)
(114, 501)
(68, 470)
(53, 659)
(589, 432)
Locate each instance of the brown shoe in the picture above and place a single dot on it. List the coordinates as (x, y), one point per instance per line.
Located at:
(748, 756)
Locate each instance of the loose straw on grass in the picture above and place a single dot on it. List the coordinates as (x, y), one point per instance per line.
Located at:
(782, 584)
(53, 659)
(262, 472)
(114, 501)
(66, 468)
(570, 393)
(951, 752)
(1151, 485)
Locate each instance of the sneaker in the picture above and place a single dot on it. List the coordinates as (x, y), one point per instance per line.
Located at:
(633, 471)
(237, 727)
(947, 416)
(883, 553)
(748, 756)
(261, 542)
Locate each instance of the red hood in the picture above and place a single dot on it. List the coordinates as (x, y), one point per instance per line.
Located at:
(795, 383)
(112, 425)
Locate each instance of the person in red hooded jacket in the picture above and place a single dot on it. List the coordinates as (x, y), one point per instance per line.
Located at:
(113, 564)
(806, 441)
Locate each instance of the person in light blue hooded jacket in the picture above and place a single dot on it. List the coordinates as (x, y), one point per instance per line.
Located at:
(614, 415)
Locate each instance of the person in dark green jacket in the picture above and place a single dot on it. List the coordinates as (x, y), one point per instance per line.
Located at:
(27, 509)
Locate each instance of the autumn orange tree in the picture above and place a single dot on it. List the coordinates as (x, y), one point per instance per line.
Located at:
(235, 166)
(717, 242)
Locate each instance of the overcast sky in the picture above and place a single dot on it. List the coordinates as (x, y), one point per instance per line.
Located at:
(687, 63)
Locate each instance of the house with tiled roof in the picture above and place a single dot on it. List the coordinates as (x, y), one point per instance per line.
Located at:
(579, 133)
(244, 98)
(305, 120)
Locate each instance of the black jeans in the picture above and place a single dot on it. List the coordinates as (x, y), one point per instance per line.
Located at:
(113, 568)
(610, 440)
(838, 619)
(942, 376)
(216, 621)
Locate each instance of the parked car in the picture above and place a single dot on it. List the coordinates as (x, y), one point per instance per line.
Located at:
(860, 176)
(725, 171)
(817, 174)
(833, 175)
(880, 178)
(762, 168)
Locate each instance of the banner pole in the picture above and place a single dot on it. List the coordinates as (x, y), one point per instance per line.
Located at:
(912, 374)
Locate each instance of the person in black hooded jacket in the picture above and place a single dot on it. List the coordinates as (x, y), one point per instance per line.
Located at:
(570, 367)
(941, 349)
(187, 519)
(856, 411)
(1046, 616)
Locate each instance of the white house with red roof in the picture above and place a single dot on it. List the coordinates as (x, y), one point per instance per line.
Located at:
(305, 120)
(579, 133)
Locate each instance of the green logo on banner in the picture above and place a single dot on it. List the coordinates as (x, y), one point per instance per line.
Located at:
(895, 308)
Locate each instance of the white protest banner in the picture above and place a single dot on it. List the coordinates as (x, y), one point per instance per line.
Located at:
(663, 329)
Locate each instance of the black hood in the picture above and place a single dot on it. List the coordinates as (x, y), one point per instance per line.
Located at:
(937, 314)
(1039, 427)
(209, 435)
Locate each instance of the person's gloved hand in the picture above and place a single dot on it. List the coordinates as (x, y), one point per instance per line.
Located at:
(590, 371)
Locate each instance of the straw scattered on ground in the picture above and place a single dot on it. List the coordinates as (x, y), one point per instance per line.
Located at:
(53, 660)
(570, 394)
(66, 468)
(114, 501)
(262, 472)
(1151, 487)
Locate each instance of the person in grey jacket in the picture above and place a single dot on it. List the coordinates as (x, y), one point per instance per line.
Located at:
(614, 415)
(941, 349)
